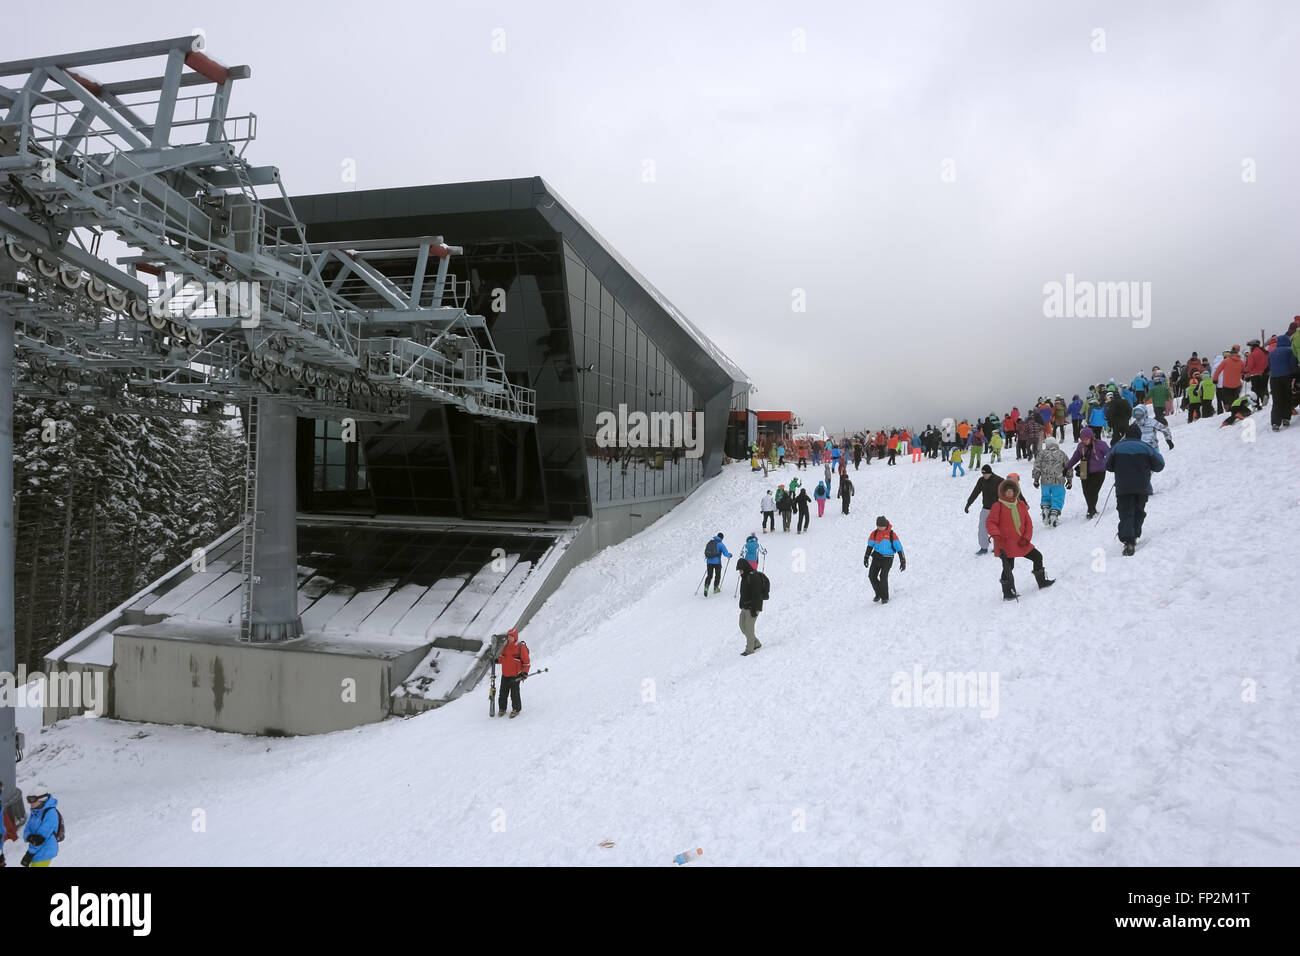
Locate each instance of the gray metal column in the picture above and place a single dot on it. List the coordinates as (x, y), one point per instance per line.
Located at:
(7, 714)
(275, 591)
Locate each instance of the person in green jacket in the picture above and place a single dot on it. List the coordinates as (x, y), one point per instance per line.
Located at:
(976, 447)
(995, 447)
(1193, 398)
(1159, 395)
(1207, 397)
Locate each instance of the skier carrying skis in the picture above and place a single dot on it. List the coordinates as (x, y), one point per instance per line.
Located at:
(1052, 471)
(768, 508)
(714, 551)
(846, 492)
(882, 545)
(514, 668)
(1011, 529)
(754, 590)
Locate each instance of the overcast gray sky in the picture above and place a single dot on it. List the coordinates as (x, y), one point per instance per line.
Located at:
(920, 171)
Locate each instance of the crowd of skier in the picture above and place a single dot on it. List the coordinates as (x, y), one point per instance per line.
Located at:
(1116, 428)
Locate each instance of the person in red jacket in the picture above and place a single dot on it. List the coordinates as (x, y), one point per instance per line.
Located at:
(1256, 371)
(1011, 529)
(514, 668)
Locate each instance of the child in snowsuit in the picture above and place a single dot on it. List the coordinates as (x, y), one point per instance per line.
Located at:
(995, 447)
(1051, 470)
(956, 461)
(882, 545)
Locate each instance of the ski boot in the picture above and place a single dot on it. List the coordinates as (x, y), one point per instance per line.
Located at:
(716, 590)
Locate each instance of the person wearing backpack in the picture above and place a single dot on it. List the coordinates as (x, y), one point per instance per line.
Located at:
(882, 545)
(514, 669)
(754, 590)
(846, 492)
(714, 552)
(44, 829)
(785, 505)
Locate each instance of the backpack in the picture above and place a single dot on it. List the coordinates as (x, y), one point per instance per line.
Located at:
(711, 549)
(762, 586)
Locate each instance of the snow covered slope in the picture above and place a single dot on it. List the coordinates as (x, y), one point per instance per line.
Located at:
(1146, 709)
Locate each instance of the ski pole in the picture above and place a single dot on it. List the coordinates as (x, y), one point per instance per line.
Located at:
(702, 580)
(535, 673)
(1103, 505)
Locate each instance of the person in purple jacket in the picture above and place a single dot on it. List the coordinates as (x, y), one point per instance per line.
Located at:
(1090, 455)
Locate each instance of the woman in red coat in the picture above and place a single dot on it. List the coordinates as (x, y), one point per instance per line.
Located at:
(1011, 529)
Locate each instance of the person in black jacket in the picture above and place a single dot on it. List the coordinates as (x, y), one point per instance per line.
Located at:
(846, 492)
(1132, 461)
(785, 505)
(754, 589)
(803, 501)
(1118, 413)
(987, 485)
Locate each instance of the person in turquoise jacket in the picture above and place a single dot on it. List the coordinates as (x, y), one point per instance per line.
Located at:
(42, 825)
(753, 549)
(821, 495)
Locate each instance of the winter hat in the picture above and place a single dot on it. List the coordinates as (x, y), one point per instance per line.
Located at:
(743, 565)
(718, 536)
(512, 633)
(882, 521)
(1140, 412)
(987, 469)
(1014, 477)
(1050, 442)
(1236, 348)
(753, 534)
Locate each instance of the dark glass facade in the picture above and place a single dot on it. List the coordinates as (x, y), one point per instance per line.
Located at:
(573, 322)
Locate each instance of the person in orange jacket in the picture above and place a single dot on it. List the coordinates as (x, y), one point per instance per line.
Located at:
(1012, 530)
(1229, 375)
(514, 669)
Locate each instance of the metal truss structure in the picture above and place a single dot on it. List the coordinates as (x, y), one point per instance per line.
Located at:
(218, 300)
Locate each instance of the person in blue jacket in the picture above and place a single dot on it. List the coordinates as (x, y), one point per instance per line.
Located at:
(1132, 461)
(882, 545)
(42, 825)
(821, 495)
(714, 552)
(1075, 411)
(1139, 386)
(780, 454)
(1281, 372)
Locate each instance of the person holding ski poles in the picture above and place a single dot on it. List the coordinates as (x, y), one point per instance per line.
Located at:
(753, 549)
(514, 668)
(714, 552)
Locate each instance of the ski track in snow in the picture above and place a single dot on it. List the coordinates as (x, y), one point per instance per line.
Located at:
(1120, 690)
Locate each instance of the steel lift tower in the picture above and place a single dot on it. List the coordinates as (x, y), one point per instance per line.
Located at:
(219, 303)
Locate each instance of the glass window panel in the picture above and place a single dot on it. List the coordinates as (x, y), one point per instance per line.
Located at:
(593, 322)
(606, 301)
(577, 277)
(578, 315)
(606, 329)
(593, 289)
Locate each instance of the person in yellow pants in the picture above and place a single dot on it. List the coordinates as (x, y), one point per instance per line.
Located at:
(43, 828)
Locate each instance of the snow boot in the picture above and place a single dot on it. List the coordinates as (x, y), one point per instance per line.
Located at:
(1129, 548)
(514, 713)
(1043, 580)
(1009, 591)
(1054, 518)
